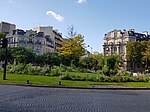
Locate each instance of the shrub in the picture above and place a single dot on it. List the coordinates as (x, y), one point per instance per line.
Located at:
(63, 68)
(117, 79)
(105, 70)
(29, 68)
(57, 72)
(113, 72)
(101, 79)
(66, 77)
(107, 79)
(20, 69)
(126, 79)
(141, 78)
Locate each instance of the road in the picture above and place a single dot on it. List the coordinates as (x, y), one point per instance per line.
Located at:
(34, 99)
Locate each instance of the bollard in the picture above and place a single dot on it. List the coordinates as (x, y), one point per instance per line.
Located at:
(59, 83)
(27, 82)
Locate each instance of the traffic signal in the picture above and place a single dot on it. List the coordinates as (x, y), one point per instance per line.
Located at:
(4, 43)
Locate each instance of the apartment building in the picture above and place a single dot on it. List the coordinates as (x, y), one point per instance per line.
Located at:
(41, 39)
(115, 43)
(37, 42)
(53, 35)
(7, 28)
(58, 39)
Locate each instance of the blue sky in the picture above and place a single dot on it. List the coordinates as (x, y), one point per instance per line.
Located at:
(91, 18)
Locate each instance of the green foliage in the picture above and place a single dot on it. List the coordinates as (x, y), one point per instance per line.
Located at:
(134, 51)
(93, 62)
(20, 69)
(147, 51)
(63, 68)
(106, 78)
(72, 49)
(29, 69)
(39, 60)
(9, 54)
(23, 55)
(146, 56)
(51, 59)
(56, 72)
(2, 35)
(2, 54)
(106, 70)
(138, 53)
(111, 65)
(113, 71)
(112, 61)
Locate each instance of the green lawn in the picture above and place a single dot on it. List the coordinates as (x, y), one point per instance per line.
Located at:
(83, 74)
(48, 80)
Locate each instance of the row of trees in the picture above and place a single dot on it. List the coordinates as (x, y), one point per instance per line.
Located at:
(26, 56)
(69, 54)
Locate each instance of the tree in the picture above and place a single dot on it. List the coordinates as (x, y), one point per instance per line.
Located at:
(111, 65)
(39, 60)
(71, 32)
(134, 53)
(99, 61)
(146, 55)
(2, 35)
(94, 62)
(87, 62)
(73, 49)
(51, 59)
(23, 55)
(9, 54)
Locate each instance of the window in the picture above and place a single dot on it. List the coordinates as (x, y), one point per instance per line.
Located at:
(14, 39)
(115, 48)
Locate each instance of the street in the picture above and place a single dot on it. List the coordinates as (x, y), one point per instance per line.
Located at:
(34, 99)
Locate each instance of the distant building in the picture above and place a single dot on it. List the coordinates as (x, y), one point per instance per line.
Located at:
(40, 40)
(37, 42)
(115, 43)
(53, 35)
(58, 39)
(48, 30)
(7, 28)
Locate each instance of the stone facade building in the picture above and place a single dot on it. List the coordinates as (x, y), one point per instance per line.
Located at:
(7, 28)
(40, 40)
(54, 35)
(115, 43)
(30, 39)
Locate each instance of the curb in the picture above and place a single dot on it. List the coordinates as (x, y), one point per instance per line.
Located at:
(74, 87)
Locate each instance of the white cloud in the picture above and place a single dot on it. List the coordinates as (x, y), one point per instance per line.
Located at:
(55, 15)
(81, 1)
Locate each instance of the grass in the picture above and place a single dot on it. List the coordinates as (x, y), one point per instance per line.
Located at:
(83, 74)
(53, 81)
